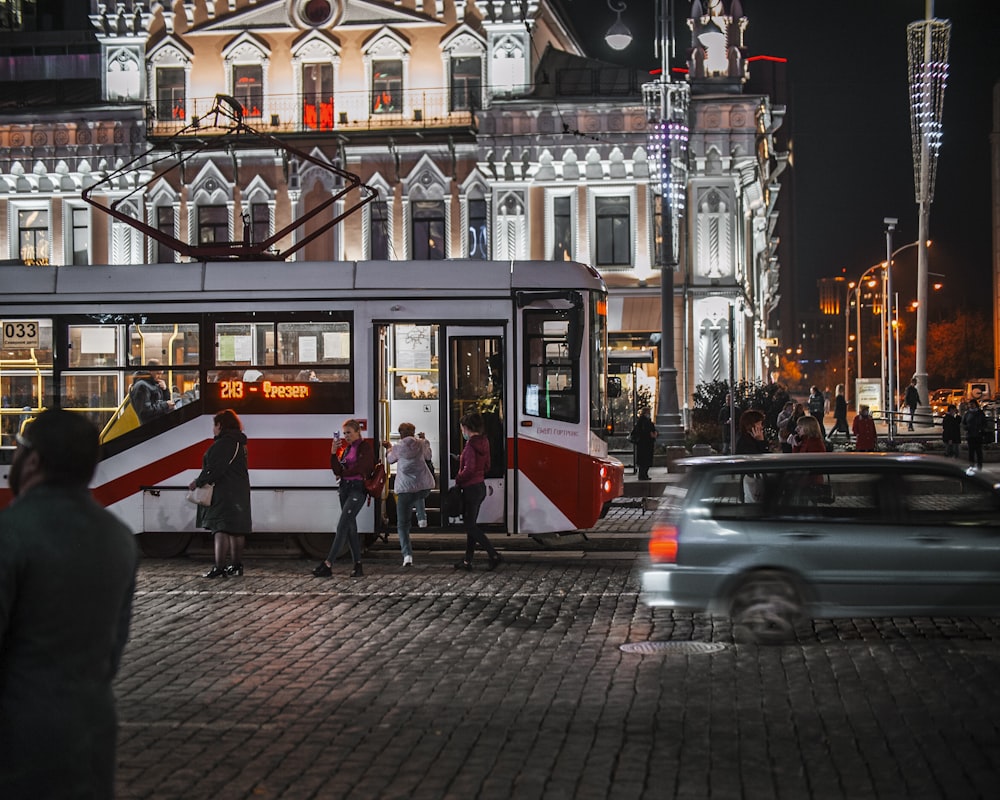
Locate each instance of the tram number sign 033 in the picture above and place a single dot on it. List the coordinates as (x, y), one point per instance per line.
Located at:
(19, 334)
(265, 390)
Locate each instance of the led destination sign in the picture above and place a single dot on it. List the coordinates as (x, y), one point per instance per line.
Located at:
(241, 390)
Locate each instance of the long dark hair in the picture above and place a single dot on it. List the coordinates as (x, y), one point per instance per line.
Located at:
(228, 420)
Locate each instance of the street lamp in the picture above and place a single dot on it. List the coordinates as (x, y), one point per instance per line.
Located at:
(927, 58)
(667, 116)
(618, 36)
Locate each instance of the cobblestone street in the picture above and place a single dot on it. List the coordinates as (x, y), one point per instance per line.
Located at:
(434, 683)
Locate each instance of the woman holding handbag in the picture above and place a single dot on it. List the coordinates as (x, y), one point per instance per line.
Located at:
(228, 517)
(352, 459)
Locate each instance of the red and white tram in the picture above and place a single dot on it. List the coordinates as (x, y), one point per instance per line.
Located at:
(297, 348)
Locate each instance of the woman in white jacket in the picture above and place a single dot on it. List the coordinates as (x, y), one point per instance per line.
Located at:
(414, 480)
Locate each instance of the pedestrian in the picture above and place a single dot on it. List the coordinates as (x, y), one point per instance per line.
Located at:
(225, 467)
(808, 436)
(414, 480)
(974, 423)
(643, 436)
(911, 399)
(472, 467)
(865, 438)
(951, 431)
(148, 394)
(352, 459)
(840, 414)
(67, 576)
(751, 433)
(728, 411)
(817, 407)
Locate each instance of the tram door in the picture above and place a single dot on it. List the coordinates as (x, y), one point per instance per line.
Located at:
(476, 383)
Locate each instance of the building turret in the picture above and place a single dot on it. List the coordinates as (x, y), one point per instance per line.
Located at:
(717, 58)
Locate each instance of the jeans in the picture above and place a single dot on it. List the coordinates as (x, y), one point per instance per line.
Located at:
(472, 499)
(405, 503)
(352, 498)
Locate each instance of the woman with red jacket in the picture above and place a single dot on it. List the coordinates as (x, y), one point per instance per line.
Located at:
(472, 466)
(352, 459)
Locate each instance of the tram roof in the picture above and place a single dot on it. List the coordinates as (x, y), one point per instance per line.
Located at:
(304, 279)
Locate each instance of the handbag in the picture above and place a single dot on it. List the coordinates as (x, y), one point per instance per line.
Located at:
(375, 483)
(201, 495)
(453, 502)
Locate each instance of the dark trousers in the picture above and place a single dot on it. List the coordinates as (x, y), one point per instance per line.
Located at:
(472, 499)
(975, 444)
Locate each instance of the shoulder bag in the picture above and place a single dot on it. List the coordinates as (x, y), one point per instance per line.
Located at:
(202, 495)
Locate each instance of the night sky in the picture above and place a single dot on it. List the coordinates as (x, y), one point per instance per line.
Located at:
(848, 117)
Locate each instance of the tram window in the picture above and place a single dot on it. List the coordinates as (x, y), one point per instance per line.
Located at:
(97, 395)
(22, 393)
(551, 378)
(322, 343)
(171, 344)
(95, 346)
(244, 344)
(415, 362)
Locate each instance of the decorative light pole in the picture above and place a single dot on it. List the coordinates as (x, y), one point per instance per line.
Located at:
(667, 116)
(890, 226)
(927, 54)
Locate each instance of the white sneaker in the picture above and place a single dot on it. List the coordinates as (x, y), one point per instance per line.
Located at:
(407, 561)
(421, 523)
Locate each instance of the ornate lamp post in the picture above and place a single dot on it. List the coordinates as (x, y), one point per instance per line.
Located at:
(927, 54)
(667, 116)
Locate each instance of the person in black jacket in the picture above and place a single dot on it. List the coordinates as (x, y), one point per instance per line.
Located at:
(149, 394)
(911, 399)
(67, 576)
(974, 422)
(951, 431)
(228, 518)
(643, 436)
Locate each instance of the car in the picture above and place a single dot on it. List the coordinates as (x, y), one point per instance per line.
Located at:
(942, 398)
(771, 540)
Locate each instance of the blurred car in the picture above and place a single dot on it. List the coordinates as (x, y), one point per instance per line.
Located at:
(942, 398)
(773, 539)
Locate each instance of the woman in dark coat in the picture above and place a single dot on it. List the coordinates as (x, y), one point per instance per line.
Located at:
(473, 465)
(228, 518)
(643, 436)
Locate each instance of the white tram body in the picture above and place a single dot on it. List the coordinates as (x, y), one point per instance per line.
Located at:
(297, 348)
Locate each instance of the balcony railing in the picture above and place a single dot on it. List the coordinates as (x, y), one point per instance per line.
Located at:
(344, 111)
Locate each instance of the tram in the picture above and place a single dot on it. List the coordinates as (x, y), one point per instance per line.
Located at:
(297, 348)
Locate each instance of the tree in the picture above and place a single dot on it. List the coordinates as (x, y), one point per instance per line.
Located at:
(959, 348)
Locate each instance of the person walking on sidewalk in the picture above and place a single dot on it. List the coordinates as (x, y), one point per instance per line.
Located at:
(974, 422)
(951, 431)
(643, 436)
(817, 407)
(840, 414)
(414, 480)
(865, 437)
(472, 467)
(352, 459)
(911, 399)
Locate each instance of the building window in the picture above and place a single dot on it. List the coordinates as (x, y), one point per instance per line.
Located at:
(317, 96)
(213, 224)
(614, 246)
(379, 231)
(562, 229)
(466, 83)
(428, 230)
(165, 225)
(33, 236)
(248, 88)
(81, 237)
(479, 243)
(387, 86)
(170, 100)
(508, 74)
(260, 222)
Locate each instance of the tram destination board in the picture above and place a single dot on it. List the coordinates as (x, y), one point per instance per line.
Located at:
(281, 397)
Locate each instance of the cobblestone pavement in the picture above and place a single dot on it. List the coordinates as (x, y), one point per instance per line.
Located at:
(436, 683)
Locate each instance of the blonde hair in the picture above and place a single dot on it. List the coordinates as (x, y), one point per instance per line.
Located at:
(353, 424)
(810, 427)
(407, 429)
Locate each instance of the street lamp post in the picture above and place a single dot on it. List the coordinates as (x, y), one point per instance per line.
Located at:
(890, 226)
(667, 115)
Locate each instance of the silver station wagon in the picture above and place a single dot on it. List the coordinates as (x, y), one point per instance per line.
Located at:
(771, 540)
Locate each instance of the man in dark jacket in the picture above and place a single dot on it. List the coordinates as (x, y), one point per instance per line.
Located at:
(67, 573)
(911, 399)
(149, 394)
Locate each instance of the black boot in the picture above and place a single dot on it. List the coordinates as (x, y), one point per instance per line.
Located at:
(235, 569)
(216, 572)
(358, 572)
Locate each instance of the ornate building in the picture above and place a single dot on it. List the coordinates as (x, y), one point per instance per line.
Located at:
(481, 124)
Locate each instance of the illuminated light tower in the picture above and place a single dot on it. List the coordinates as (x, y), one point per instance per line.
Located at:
(927, 55)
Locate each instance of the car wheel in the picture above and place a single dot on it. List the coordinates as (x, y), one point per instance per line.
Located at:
(766, 608)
